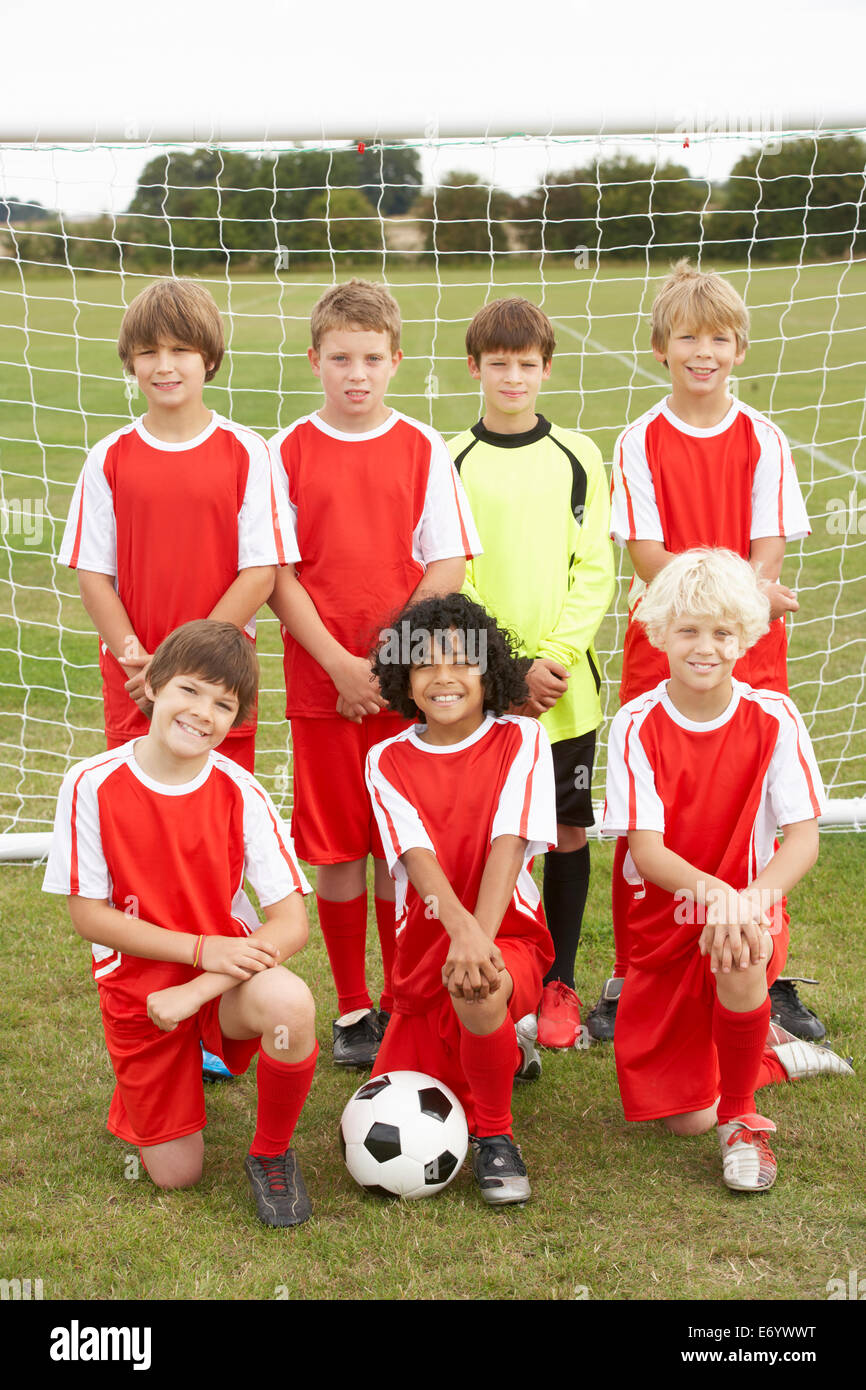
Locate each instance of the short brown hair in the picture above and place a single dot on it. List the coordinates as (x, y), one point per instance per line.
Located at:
(356, 304)
(181, 311)
(510, 325)
(214, 651)
(699, 299)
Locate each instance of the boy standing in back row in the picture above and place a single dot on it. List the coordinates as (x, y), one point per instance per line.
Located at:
(381, 518)
(175, 516)
(540, 498)
(701, 469)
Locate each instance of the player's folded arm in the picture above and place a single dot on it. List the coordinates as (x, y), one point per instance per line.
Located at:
(285, 926)
(498, 881)
(97, 921)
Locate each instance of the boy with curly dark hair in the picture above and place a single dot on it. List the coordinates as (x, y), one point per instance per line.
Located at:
(464, 799)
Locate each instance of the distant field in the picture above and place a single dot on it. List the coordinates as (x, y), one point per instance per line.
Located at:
(61, 390)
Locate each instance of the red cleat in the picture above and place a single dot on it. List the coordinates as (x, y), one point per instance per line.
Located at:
(559, 1016)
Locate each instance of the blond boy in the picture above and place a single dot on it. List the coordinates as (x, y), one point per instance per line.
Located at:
(702, 772)
(701, 468)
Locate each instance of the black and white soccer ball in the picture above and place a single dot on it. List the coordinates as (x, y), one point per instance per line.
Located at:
(404, 1134)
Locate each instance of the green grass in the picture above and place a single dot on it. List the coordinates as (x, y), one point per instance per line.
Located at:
(624, 1211)
(61, 390)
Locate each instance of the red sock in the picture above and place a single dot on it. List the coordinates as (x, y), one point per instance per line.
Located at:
(344, 927)
(282, 1089)
(740, 1040)
(489, 1063)
(771, 1071)
(619, 898)
(386, 925)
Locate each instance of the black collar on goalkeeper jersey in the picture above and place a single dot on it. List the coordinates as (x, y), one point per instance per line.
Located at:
(539, 430)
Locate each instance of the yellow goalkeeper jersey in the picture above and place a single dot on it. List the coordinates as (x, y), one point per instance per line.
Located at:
(541, 504)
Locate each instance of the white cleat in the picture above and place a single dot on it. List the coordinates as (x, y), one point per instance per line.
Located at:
(802, 1059)
(526, 1029)
(748, 1162)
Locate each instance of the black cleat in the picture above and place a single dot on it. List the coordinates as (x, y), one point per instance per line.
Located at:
(499, 1170)
(789, 1010)
(278, 1187)
(601, 1021)
(356, 1044)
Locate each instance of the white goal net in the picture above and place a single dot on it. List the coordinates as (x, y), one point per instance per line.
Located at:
(586, 226)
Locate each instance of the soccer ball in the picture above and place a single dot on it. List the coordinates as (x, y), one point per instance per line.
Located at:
(404, 1134)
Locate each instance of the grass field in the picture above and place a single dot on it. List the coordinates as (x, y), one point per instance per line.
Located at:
(618, 1212)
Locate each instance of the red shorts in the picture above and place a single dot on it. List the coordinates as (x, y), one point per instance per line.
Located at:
(666, 1060)
(160, 1093)
(430, 1042)
(332, 814)
(240, 747)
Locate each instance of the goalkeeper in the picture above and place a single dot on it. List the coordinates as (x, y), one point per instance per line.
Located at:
(540, 500)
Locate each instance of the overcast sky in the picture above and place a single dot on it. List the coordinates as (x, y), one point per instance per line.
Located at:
(267, 69)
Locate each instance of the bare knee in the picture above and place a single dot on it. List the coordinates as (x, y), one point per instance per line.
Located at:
(482, 1016)
(694, 1122)
(175, 1164)
(569, 838)
(279, 1007)
(341, 882)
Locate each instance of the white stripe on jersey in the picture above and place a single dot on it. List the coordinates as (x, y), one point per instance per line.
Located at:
(527, 803)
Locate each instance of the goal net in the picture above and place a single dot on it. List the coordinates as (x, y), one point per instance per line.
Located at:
(586, 226)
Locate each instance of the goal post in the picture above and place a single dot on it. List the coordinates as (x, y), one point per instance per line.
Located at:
(585, 224)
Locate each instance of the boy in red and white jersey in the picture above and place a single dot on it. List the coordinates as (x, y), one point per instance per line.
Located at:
(700, 469)
(152, 843)
(464, 800)
(381, 517)
(702, 772)
(175, 516)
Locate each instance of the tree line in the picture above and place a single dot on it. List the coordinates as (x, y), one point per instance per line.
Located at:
(801, 198)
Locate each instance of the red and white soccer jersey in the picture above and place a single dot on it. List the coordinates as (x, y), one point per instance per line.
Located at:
(455, 801)
(175, 856)
(371, 512)
(684, 486)
(173, 524)
(717, 791)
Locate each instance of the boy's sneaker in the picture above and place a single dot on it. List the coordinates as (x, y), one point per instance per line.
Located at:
(559, 1016)
(791, 1012)
(801, 1059)
(357, 1036)
(601, 1020)
(748, 1162)
(278, 1187)
(213, 1068)
(499, 1170)
(526, 1030)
